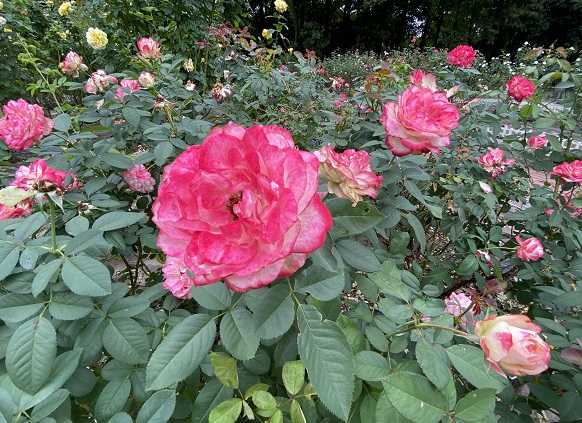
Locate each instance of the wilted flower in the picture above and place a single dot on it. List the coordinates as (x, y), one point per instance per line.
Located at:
(190, 86)
(129, 84)
(512, 342)
(280, 6)
(349, 174)
(96, 38)
(148, 48)
(64, 8)
(139, 179)
(536, 142)
(23, 124)
(188, 65)
(176, 279)
(462, 56)
(146, 79)
(19, 210)
(38, 172)
(337, 83)
(529, 250)
(493, 162)
(569, 172)
(220, 92)
(72, 64)
(99, 80)
(520, 88)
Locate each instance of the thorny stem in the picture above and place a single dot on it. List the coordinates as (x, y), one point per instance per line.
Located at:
(429, 326)
(53, 225)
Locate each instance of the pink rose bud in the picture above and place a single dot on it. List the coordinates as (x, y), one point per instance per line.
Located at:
(349, 174)
(23, 124)
(146, 79)
(520, 88)
(569, 172)
(139, 179)
(512, 343)
(72, 64)
(462, 56)
(529, 250)
(148, 48)
(420, 122)
(536, 142)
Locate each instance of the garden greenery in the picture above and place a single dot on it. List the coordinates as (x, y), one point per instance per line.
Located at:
(169, 253)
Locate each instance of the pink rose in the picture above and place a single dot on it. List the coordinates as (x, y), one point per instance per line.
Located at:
(146, 79)
(423, 80)
(176, 279)
(20, 210)
(72, 64)
(420, 122)
(529, 250)
(28, 177)
(512, 342)
(493, 162)
(130, 84)
(569, 172)
(520, 88)
(139, 179)
(99, 80)
(462, 56)
(242, 207)
(536, 142)
(148, 48)
(456, 305)
(23, 124)
(348, 174)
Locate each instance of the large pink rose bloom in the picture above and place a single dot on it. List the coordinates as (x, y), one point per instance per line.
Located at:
(27, 177)
(520, 88)
(242, 207)
(569, 172)
(512, 342)
(462, 56)
(529, 250)
(349, 174)
(420, 122)
(148, 48)
(23, 124)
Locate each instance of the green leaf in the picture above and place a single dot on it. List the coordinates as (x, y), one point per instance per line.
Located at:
(413, 189)
(212, 394)
(297, 415)
(327, 355)
(322, 284)
(126, 340)
(48, 405)
(265, 402)
(388, 279)
(120, 161)
(418, 231)
(117, 220)
(131, 116)
(277, 417)
(112, 398)
(371, 366)
(215, 296)
(162, 151)
(415, 397)
(433, 363)
(470, 363)
(9, 254)
(275, 314)
(224, 369)
(86, 276)
(476, 406)
(386, 413)
(19, 307)
(353, 333)
(238, 335)
(80, 224)
(121, 417)
(293, 376)
(128, 306)
(6, 406)
(226, 412)
(158, 408)
(358, 256)
(468, 266)
(31, 354)
(354, 219)
(544, 123)
(30, 225)
(181, 352)
(83, 241)
(68, 306)
(62, 122)
(44, 273)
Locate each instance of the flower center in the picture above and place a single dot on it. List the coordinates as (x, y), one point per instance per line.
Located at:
(234, 199)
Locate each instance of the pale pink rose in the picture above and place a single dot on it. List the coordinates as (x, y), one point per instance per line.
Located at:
(176, 279)
(485, 187)
(456, 305)
(423, 80)
(139, 179)
(536, 142)
(242, 207)
(130, 84)
(190, 86)
(148, 48)
(569, 172)
(421, 121)
(28, 177)
(520, 88)
(23, 124)
(98, 81)
(493, 162)
(462, 56)
(512, 342)
(72, 64)
(146, 79)
(20, 210)
(337, 83)
(529, 250)
(349, 174)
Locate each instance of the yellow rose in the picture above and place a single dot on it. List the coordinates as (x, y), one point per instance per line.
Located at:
(281, 6)
(2, 20)
(64, 8)
(63, 35)
(266, 34)
(96, 38)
